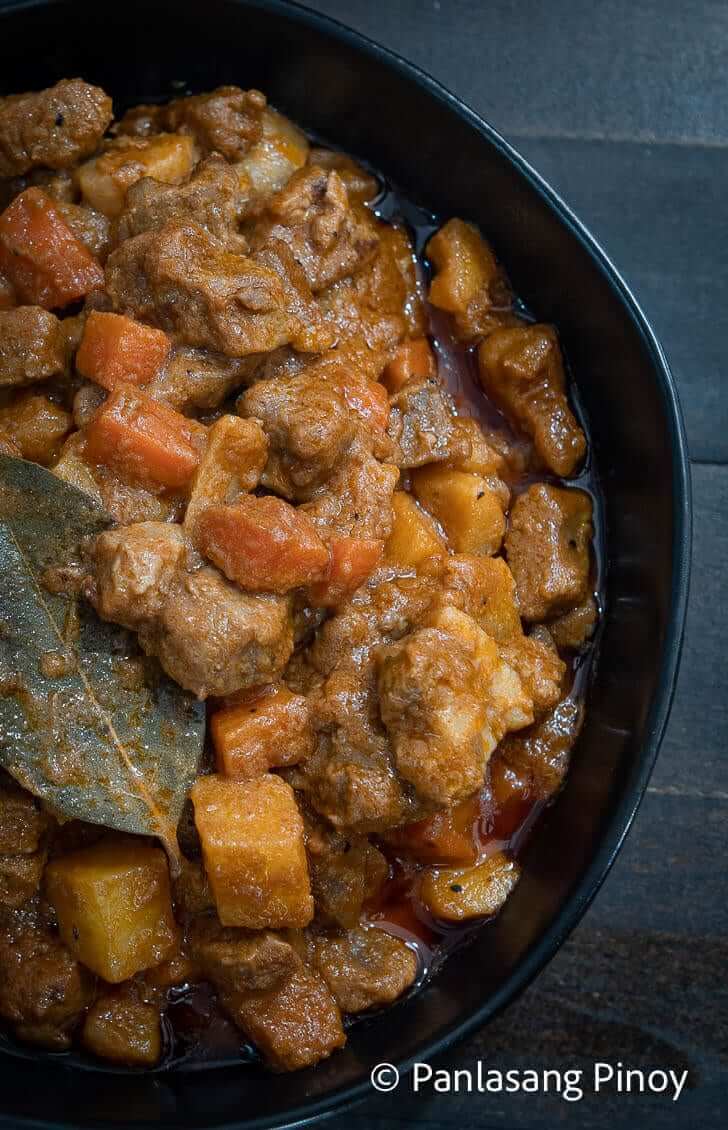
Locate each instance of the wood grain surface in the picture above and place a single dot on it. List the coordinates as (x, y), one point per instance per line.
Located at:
(622, 107)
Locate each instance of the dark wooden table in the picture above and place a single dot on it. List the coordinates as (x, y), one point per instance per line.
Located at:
(622, 107)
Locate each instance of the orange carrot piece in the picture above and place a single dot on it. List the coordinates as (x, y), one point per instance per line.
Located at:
(350, 563)
(263, 544)
(445, 837)
(413, 360)
(370, 400)
(116, 349)
(144, 440)
(41, 256)
(269, 730)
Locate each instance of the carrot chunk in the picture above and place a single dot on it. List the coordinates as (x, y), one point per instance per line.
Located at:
(144, 440)
(350, 563)
(115, 349)
(41, 256)
(370, 400)
(267, 731)
(263, 544)
(413, 360)
(445, 837)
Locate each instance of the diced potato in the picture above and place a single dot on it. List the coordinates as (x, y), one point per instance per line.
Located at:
(468, 282)
(114, 906)
(414, 537)
(36, 426)
(104, 180)
(414, 360)
(254, 853)
(455, 894)
(469, 510)
(235, 456)
(266, 732)
(124, 1029)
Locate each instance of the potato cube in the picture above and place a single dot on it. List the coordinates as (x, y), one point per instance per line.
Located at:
(253, 848)
(232, 462)
(264, 732)
(114, 906)
(104, 180)
(456, 894)
(469, 510)
(414, 537)
(124, 1029)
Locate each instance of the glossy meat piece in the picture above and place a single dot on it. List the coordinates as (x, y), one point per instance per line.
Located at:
(227, 120)
(182, 279)
(356, 501)
(309, 427)
(574, 628)
(122, 1027)
(196, 380)
(135, 569)
(36, 425)
(345, 870)
(20, 877)
(206, 633)
(42, 990)
(32, 346)
(523, 370)
(363, 968)
(421, 423)
(539, 756)
(22, 822)
(447, 698)
(351, 778)
(237, 960)
(295, 1024)
(214, 639)
(210, 198)
(312, 216)
(90, 227)
(547, 546)
(54, 127)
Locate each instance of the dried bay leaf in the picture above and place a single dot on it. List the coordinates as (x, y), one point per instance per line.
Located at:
(87, 723)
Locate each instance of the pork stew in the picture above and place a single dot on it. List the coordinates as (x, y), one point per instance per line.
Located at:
(349, 511)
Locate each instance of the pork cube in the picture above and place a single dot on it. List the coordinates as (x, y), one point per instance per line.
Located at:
(522, 368)
(364, 967)
(547, 546)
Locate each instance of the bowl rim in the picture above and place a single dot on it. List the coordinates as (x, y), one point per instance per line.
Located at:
(622, 817)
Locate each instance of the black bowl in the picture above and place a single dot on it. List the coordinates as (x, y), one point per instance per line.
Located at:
(371, 103)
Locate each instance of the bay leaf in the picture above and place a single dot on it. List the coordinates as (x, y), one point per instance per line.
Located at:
(87, 723)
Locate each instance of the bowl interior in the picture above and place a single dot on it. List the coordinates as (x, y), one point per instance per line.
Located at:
(357, 97)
